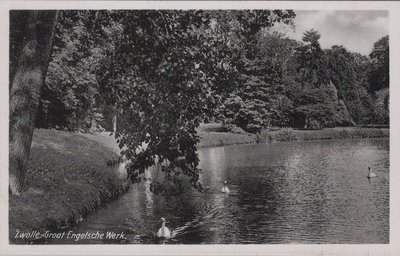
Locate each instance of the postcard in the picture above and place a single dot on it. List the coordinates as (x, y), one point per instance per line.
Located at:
(200, 128)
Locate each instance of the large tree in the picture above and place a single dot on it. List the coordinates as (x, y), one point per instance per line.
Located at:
(31, 40)
(165, 83)
(156, 77)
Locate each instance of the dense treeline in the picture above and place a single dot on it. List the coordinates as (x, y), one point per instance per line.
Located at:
(153, 76)
(261, 78)
(300, 85)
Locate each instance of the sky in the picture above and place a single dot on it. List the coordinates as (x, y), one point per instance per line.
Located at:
(357, 31)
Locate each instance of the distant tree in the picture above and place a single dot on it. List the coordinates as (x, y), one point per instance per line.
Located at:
(240, 114)
(379, 77)
(314, 107)
(257, 94)
(319, 103)
(348, 72)
(258, 75)
(310, 60)
(379, 81)
(278, 49)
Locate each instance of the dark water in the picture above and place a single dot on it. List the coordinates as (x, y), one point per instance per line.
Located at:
(298, 192)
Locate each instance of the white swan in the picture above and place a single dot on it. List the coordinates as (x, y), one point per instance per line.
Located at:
(225, 188)
(163, 232)
(370, 173)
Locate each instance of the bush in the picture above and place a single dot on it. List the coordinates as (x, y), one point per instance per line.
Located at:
(314, 124)
(286, 135)
(233, 129)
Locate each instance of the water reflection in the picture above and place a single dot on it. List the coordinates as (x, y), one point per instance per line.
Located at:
(148, 193)
(299, 192)
(213, 165)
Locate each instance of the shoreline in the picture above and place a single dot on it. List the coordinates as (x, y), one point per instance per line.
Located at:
(215, 139)
(69, 177)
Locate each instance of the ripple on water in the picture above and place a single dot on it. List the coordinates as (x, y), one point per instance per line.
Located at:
(300, 192)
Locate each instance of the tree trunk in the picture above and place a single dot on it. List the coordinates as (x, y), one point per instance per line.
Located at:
(114, 118)
(115, 123)
(25, 92)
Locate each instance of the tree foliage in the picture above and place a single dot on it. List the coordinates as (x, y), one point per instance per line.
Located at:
(162, 92)
(258, 76)
(349, 72)
(379, 76)
(310, 61)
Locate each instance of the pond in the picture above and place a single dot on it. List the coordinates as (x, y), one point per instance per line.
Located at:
(290, 192)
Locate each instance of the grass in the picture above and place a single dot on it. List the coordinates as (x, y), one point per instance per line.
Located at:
(68, 178)
(212, 135)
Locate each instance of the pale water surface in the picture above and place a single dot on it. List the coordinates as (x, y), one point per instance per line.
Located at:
(297, 192)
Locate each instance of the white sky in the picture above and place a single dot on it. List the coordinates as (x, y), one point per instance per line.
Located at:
(355, 30)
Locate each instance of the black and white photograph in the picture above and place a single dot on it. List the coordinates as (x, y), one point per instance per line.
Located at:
(198, 126)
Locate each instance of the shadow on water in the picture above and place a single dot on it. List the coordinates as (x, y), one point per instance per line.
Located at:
(298, 192)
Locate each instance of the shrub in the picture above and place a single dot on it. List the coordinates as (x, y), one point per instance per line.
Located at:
(286, 135)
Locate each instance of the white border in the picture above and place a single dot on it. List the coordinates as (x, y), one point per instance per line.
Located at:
(392, 249)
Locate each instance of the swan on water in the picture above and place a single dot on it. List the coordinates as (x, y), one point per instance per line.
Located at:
(370, 173)
(163, 232)
(225, 188)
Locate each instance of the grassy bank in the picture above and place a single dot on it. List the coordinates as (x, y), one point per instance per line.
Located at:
(324, 134)
(68, 178)
(213, 135)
